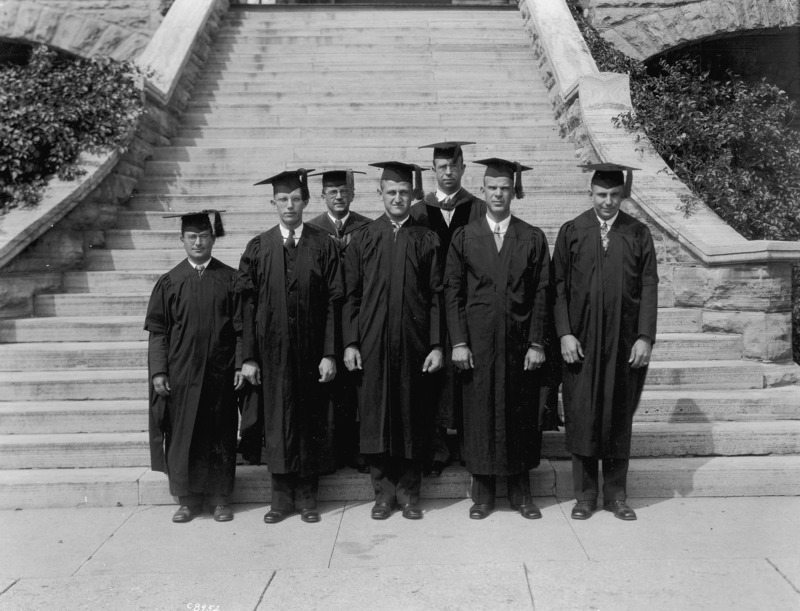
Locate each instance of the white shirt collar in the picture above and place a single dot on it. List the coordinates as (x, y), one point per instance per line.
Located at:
(609, 221)
(393, 221)
(441, 195)
(285, 232)
(334, 219)
(502, 224)
(196, 265)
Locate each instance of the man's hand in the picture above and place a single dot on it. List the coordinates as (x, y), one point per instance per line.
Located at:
(434, 361)
(534, 358)
(251, 372)
(161, 384)
(462, 357)
(640, 353)
(352, 358)
(238, 380)
(571, 349)
(327, 369)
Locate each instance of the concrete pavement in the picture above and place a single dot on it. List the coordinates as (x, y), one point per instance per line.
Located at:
(682, 553)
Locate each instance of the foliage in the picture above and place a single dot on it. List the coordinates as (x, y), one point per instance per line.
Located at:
(164, 6)
(54, 108)
(728, 140)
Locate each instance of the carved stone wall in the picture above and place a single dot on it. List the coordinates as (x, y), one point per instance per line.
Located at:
(643, 28)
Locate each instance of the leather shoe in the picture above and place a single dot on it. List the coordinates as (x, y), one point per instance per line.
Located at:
(620, 510)
(223, 513)
(185, 514)
(479, 511)
(436, 469)
(583, 510)
(273, 516)
(412, 511)
(381, 511)
(529, 511)
(310, 515)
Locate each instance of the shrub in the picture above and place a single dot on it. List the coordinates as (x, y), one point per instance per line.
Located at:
(728, 140)
(54, 108)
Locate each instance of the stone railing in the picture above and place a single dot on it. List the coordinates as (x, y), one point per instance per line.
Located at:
(741, 286)
(37, 244)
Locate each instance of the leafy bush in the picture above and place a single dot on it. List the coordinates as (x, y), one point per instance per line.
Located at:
(728, 140)
(54, 108)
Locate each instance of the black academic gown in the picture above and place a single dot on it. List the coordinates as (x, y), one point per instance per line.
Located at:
(393, 314)
(289, 345)
(195, 338)
(607, 300)
(497, 305)
(428, 212)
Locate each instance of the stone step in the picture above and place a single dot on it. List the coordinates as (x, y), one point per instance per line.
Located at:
(121, 343)
(371, 56)
(110, 384)
(49, 417)
(103, 450)
(76, 304)
(367, 17)
(647, 478)
(375, 43)
(368, 118)
(497, 137)
(656, 406)
(346, 74)
(74, 450)
(388, 107)
(440, 34)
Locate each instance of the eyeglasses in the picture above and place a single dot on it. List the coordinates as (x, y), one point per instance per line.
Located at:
(285, 200)
(194, 237)
(337, 192)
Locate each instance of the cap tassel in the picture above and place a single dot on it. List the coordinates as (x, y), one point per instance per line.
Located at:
(419, 192)
(350, 183)
(219, 230)
(303, 174)
(628, 184)
(518, 180)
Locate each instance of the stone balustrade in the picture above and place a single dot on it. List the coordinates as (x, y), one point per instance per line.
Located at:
(741, 286)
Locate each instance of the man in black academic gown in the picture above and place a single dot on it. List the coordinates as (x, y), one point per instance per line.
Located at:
(605, 314)
(393, 332)
(496, 295)
(338, 190)
(193, 363)
(291, 287)
(445, 210)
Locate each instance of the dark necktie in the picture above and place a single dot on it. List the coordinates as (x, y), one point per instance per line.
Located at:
(447, 203)
(396, 227)
(338, 225)
(290, 244)
(200, 269)
(604, 235)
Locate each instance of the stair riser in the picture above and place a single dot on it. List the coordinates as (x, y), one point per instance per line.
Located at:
(78, 305)
(76, 421)
(276, 136)
(354, 108)
(58, 456)
(366, 119)
(29, 331)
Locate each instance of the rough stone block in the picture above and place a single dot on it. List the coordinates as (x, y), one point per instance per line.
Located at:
(89, 32)
(764, 288)
(8, 15)
(109, 41)
(65, 34)
(781, 374)
(25, 23)
(58, 250)
(765, 336)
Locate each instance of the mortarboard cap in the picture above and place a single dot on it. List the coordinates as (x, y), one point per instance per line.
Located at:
(503, 168)
(200, 221)
(610, 175)
(334, 178)
(288, 181)
(398, 171)
(450, 149)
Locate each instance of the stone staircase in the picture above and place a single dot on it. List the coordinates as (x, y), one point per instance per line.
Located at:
(318, 88)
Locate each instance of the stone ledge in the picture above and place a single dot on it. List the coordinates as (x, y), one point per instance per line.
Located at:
(170, 49)
(21, 226)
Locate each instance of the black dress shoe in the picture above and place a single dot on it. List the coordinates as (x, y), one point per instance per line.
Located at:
(479, 511)
(620, 510)
(223, 513)
(412, 511)
(381, 511)
(273, 516)
(436, 469)
(185, 514)
(529, 511)
(310, 515)
(583, 510)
